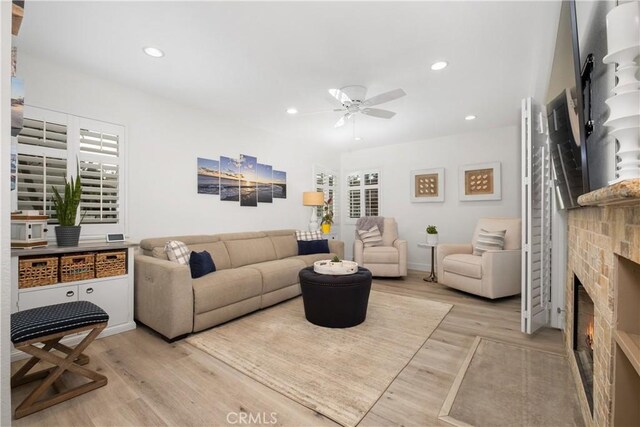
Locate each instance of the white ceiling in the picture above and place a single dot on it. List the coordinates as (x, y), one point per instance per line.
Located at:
(248, 62)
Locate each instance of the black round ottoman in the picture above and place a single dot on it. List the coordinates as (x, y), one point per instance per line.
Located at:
(335, 301)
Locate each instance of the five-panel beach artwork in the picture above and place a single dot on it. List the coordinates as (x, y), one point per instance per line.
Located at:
(241, 180)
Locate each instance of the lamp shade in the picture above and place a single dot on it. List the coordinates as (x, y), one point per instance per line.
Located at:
(313, 198)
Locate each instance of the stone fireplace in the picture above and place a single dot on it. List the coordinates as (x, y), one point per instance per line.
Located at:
(603, 253)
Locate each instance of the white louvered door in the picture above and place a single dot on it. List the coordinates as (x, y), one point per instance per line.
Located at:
(536, 224)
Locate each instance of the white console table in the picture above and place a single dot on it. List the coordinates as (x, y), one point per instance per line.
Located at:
(113, 294)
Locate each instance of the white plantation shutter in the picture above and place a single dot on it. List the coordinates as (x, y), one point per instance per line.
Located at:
(36, 177)
(100, 166)
(52, 146)
(363, 194)
(100, 191)
(327, 182)
(42, 133)
(536, 208)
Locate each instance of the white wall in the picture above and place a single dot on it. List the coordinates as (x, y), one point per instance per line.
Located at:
(164, 139)
(455, 219)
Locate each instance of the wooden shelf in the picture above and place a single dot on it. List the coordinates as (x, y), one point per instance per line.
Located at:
(630, 346)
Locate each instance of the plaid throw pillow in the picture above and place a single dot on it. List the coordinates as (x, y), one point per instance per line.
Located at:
(177, 252)
(371, 237)
(309, 235)
(489, 241)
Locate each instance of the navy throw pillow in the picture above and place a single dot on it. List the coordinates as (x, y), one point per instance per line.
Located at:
(201, 263)
(308, 247)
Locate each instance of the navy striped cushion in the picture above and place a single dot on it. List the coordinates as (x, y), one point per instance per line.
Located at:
(42, 321)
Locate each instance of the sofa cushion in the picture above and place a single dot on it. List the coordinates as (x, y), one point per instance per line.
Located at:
(218, 252)
(201, 264)
(310, 259)
(488, 240)
(381, 255)
(309, 235)
(370, 237)
(463, 264)
(279, 273)
(285, 246)
(225, 287)
(177, 252)
(159, 253)
(250, 251)
(158, 242)
(309, 247)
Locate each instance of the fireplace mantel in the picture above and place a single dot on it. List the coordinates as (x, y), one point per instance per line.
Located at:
(619, 194)
(602, 235)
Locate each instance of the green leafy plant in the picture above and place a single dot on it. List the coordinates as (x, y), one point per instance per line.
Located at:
(432, 229)
(327, 217)
(335, 259)
(66, 205)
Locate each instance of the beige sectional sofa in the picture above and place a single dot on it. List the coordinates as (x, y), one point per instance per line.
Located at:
(254, 270)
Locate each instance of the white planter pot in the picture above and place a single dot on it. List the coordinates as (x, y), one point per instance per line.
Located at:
(432, 239)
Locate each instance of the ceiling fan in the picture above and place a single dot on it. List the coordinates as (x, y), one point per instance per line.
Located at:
(353, 100)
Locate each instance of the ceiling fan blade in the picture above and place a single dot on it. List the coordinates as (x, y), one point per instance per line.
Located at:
(343, 120)
(340, 96)
(378, 112)
(384, 97)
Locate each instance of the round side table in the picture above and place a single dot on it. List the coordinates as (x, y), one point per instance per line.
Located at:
(432, 276)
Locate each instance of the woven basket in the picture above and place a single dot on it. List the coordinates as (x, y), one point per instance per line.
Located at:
(34, 272)
(111, 263)
(77, 267)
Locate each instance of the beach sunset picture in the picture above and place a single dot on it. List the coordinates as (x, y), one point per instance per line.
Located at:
(279, 184)
(229, 179)
(208, 176)
(265, 185)
(248, 178)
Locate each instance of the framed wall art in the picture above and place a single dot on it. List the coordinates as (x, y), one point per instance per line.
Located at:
(427, 185)
(480, 182)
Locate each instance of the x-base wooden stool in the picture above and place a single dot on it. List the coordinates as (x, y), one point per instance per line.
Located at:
(48, 325)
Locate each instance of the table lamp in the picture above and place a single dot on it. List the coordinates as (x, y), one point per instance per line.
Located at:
(314, 199)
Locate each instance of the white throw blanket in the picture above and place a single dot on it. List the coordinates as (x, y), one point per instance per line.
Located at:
(366, 222)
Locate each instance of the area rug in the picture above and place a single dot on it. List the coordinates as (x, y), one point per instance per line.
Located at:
(340, 373)
(502, 384)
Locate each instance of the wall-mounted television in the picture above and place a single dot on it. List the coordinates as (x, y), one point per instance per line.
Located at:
(569, 116)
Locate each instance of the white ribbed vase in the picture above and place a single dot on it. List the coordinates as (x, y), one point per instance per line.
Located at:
(623, 43)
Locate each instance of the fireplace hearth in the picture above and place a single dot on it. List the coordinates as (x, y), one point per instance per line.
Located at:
(583, 330)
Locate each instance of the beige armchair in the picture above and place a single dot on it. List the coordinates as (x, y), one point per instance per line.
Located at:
(387, 260)
(495, 274)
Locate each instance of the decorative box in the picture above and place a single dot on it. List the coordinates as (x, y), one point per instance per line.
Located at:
(28, 229)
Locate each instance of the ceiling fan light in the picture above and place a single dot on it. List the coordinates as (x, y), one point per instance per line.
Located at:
(292, 110)
(436, 66)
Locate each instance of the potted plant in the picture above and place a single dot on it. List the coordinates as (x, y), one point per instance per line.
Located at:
(66, 206)
(327, 216)
(432, 235)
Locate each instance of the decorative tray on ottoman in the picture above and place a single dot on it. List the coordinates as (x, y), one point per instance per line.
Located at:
(341, 268)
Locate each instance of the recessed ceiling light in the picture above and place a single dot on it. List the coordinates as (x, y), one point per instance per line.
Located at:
(439, 65)
(470, 117)
(153, 51)
(292, 110)
(357, 138)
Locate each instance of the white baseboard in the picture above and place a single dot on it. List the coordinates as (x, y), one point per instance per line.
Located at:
(420, 266)
(73, 340)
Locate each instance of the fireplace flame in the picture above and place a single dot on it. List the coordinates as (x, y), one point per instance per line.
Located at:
(588, 336)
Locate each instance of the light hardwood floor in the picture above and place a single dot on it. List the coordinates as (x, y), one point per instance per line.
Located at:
(152, 382)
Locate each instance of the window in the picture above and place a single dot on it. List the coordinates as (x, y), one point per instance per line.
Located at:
(51, 147)
(327, 182)
(363, 194)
